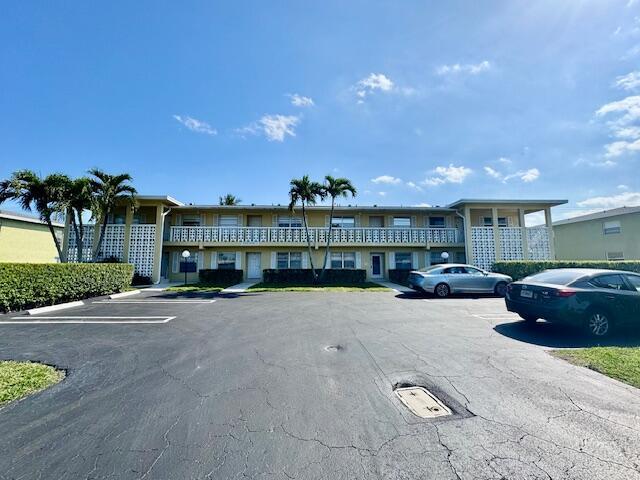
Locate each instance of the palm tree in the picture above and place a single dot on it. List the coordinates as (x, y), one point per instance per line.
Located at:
(229, 199)
(107, 192)
(334, 188)
(32, 192)
(76, 200)
(306, 192)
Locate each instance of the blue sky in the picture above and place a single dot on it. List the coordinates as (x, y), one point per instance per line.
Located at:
(416, 102)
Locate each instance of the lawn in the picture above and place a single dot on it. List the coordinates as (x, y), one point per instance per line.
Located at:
(19, 379)
(621, 363)
(278, 287)
(197, 288)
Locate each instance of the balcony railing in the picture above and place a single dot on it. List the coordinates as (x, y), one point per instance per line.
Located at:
(318, 235)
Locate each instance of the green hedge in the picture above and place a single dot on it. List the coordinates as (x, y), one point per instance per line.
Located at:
(520, 269)
(28, 285)
(220, 277)
(304, 276)
(400, 277)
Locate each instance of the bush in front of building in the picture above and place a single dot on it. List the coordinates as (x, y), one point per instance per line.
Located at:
(29, 285)
(398, 276)
(520, 269)
(222, 277)
(304, 276)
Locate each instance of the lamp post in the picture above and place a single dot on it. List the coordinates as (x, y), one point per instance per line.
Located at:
(445, 257)
(186, 254)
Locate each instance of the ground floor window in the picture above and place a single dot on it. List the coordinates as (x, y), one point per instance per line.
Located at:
(435, 258)
(195, 257)
(403, 261)
(289, 260)
(342, 260)
(227, 261)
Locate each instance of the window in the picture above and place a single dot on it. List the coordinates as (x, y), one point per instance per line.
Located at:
(195, 257)
(488, 222)
(289, 260)
(139, 218)
(376, 221)
(556, 277)
(254, 220)
(228, 221)
(634, 280)
(343, 260)
(454, 270)
(343, 222)
(473, 271)
(227, 261)
(615, 256)
(435, 258)
(118, 218)
(402, 222)
(191, 220)
(403, 261)
(614, 282)
(286, 221)
(611, 228)
(436, 222)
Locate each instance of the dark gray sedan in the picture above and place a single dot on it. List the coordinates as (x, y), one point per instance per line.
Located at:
(443, 280)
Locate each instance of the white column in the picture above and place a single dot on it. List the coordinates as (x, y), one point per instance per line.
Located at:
(496, 234)
(549, 223)
(525, 239)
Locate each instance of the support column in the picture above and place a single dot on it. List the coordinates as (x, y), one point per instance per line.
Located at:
(65, 239)
(127, 234)
(496, 234)
(549, 223)
(468, 246)
(523, 229)
(157, 251)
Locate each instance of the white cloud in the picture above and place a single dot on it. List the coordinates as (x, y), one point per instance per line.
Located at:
(626, 199)
(526, 176)
(379, 82)
(426, 205)
(387, 179)
(196, 125)
(529, 175)
(301, 101)
(469, 68)
(508, 161)
(492, 172)
(274, 127)
(450, 174)
(630, 81)
(615, 149)
(625, 126)
(622, 187)
(382, 194)
(414, 186)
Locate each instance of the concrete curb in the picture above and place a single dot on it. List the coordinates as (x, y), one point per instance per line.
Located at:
(53, 308)
(124, 294)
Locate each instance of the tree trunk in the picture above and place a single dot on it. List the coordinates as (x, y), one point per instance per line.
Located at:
(306, 229)
(326, 253)
(79, 239)
(55, 239)
(103, 228)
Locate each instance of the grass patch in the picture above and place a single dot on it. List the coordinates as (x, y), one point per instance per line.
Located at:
(19, 379)
(290, 287)
(621, 363)
(197, 288)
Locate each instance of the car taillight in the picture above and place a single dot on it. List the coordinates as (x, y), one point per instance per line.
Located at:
(564, 292)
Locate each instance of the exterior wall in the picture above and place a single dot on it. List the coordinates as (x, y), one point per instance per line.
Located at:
(587, 241)
(26, 242)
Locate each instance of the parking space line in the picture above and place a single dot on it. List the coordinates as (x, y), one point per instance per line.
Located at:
(490, 316)
(90, 320)
(153, 301)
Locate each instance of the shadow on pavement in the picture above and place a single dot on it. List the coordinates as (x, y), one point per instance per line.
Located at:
(559, 336)
(429, 296)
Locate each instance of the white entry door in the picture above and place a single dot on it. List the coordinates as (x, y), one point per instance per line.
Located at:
(254, 262)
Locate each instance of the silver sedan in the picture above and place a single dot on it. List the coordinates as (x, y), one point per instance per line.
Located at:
(443, 280)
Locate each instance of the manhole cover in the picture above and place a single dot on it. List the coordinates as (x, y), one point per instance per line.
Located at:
(421, 402)
(333, 348)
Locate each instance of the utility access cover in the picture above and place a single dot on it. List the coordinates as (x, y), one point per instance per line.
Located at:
(421, 402)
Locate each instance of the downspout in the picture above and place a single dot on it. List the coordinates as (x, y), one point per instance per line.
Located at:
(164, 214)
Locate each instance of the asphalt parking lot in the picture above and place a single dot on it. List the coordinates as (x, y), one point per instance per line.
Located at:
(300, 385)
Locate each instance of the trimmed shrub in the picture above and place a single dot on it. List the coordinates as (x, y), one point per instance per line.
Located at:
(220, 277)
(520, 269)
(400, 277)
(304, 276)
(28, 285)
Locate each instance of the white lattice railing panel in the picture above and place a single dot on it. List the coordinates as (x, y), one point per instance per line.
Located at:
(87, 245)
(142, 248)
(511, 243)
(483, 247)
(539, 243)
(112, 243)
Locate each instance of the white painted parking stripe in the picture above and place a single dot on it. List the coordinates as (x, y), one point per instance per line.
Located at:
(491, 316)
(92, 320)
(112, 302)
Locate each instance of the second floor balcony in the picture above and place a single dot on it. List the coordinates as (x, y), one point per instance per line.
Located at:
(318, 236)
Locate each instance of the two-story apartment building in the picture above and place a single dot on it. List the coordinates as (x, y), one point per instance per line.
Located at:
(608, 235)
(375, 238)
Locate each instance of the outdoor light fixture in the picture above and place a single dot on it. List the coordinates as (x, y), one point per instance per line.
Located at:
(185, 254)
(445, 257)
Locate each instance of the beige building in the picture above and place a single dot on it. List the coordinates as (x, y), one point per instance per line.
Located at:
(26, 239)
(608, 235)
(253, 238)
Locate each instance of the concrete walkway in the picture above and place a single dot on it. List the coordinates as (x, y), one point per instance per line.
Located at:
(395, 286)
(240, 287)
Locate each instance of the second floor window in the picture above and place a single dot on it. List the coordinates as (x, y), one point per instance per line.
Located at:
(609, 228)
(228, 221)
(289, 260)
(191, 220)
(287, 221)
(488, 222)
(343, 222)
(402, 222)
(437, 222)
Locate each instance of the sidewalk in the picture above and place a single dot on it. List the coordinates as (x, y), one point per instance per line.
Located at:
(240, 287)
(395, 286)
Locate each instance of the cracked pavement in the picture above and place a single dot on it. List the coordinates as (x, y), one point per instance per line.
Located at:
(244, 388)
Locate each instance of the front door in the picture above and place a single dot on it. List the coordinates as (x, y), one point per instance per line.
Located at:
(254, 261)
(377, 262)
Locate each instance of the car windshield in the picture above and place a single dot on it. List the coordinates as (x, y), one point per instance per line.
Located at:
(556, 277)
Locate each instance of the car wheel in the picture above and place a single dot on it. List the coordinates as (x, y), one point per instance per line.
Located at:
(599, 323)
(500, 289)
(442, 290)
(529, 319)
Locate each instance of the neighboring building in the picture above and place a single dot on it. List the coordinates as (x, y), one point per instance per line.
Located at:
(608, 235)
(257, 237)
(26, 239)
